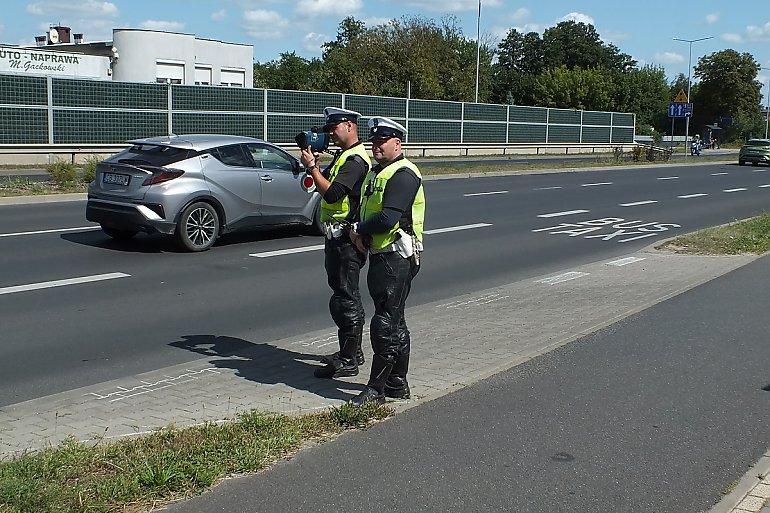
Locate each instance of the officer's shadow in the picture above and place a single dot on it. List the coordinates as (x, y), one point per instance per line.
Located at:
(264, 363)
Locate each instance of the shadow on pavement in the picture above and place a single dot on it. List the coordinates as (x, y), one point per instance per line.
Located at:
(263, 363)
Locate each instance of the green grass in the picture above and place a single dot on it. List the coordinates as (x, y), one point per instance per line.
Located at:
(747, 236)
(139, 473)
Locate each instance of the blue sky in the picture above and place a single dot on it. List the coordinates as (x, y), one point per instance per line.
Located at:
(644, 30)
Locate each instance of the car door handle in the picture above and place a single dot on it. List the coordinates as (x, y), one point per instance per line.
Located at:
(266, 178)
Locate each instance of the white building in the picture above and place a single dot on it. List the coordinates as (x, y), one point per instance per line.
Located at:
(135, 55)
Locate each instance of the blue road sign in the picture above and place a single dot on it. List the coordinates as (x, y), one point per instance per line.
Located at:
(679, 110)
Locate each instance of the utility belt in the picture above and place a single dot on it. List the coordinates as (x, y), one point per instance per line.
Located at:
(334, 231)
(406, 245)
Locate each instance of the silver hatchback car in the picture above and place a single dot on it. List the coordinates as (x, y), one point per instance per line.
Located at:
(197, 187)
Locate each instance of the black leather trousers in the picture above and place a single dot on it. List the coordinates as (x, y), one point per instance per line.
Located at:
(389, 281)
(343, 265)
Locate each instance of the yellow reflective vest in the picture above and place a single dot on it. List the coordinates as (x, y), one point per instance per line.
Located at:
(338, 211)
(372, 192)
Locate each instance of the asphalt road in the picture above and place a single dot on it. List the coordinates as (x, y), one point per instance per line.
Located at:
(498, 230)
(654, 414)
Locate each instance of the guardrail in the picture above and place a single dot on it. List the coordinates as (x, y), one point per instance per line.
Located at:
(75, 153)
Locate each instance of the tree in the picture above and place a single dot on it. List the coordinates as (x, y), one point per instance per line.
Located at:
(349, 29)
(437, 60)
(728, 88)
(288, 72)
(577, 45)
(645, 92)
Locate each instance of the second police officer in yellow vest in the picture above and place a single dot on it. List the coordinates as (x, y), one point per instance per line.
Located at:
(390, 229)
(340, 187)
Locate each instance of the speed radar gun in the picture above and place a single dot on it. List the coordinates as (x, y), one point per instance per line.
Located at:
(318, 142)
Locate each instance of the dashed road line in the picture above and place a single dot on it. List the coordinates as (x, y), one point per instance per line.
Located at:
(763, 186)
(625, 261)
(547, 188)
(457, 228)
(62, 283)
(565, 213)
(304, 249)
(636, 203)
(485, 193)
(668, 177)
(718, 174)
(688, 196)
(58, 230)
(597, 184)
(739, 189)
(572, 275)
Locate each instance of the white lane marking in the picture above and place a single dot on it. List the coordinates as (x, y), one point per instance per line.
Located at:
(625, 261)
(572, 275)
(764, 186)
(668, 177)
(688, 196)
(61, 283)
(485, 193)
(565, 213)
(595, 184)
(735, 190)
(547, 188)
(457, 228)
(635, 203)
(290, 251)
(59, 230)
(718, 174)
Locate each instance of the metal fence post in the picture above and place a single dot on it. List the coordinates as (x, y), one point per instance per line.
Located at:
(170, 100)
(507, 122)
(264, 115)
(49, 94)
(547, 123)
(581, 126)
(462, 122)
(406, 119)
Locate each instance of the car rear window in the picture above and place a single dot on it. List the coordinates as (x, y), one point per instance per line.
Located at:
(757, 142)
(155, 155)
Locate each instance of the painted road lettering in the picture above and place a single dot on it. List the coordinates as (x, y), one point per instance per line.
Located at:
(610, 228)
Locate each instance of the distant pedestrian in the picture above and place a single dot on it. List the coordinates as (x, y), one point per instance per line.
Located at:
(390, 229)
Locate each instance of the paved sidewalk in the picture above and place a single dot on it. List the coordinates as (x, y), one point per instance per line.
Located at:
(501, 327)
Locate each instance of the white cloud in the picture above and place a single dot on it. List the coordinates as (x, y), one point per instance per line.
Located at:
(668, 58)
(218, 16)
(578, 17)
(375, 21)
(88, 8)
(758, 34)
(446, 6)
(732, 38)
(616, 36)
(164, 26)
(312, 42)
(262, 24)
(313, 8)
(712, 18)
(520, 14)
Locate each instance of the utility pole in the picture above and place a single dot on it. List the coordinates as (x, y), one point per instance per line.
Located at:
(689, 72)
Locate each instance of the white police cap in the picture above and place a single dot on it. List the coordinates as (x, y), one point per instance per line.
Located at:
(380, 127)
(336, 115)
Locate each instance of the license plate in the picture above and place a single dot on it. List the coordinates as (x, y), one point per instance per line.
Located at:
(115, 179)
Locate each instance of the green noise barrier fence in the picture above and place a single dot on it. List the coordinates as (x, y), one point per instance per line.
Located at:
(48, 110)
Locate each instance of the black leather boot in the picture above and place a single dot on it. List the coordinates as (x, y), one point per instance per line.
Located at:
(337, 368)
(396, 387)
(374, 393)
(357, 335)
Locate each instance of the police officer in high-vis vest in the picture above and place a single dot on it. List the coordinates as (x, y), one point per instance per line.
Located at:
(340, 187)
(390, 229)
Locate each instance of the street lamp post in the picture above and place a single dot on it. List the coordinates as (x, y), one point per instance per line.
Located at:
(767, 103)
(689, 71)
(478, 51)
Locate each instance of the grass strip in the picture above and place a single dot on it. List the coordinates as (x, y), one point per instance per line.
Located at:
(136, 474)
(747, 236)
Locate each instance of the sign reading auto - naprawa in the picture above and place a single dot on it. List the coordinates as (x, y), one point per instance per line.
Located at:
(39, 62)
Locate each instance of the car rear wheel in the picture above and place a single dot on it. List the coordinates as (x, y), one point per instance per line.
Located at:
(118, 234)
(198, 227)
(741, 162)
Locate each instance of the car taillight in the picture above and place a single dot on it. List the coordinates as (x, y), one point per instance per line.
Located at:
(161, 174)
